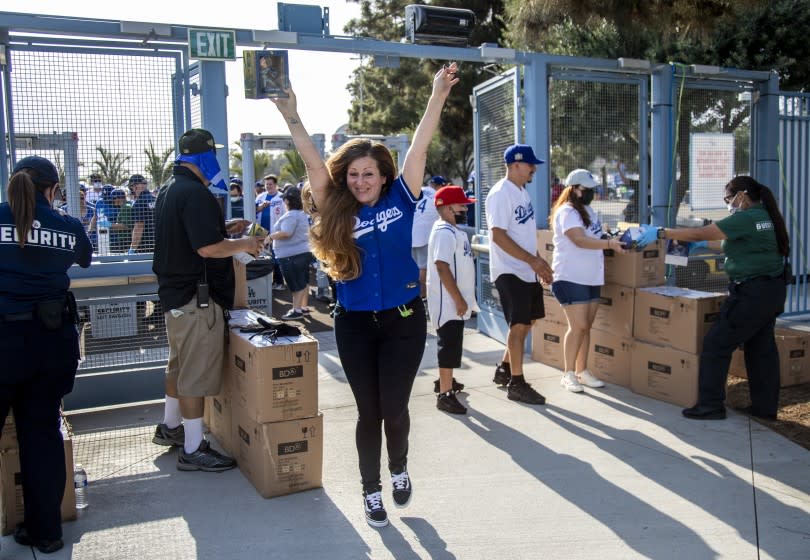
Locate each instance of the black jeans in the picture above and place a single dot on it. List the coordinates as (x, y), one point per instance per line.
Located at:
(380, 353)
(38, 370)
(747, 318)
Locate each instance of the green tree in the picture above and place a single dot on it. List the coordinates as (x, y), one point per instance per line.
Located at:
(111, 166)
(158, 165)
(391, 100)
(293, 169)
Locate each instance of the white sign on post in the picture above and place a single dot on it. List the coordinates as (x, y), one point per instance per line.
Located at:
(711, 167)
(114, 319)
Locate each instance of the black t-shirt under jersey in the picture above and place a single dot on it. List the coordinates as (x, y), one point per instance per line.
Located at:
(187, 217)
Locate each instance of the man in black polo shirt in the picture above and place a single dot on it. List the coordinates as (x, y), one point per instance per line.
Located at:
(194, 268)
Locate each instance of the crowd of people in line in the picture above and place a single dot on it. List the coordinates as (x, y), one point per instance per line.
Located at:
(356, 215)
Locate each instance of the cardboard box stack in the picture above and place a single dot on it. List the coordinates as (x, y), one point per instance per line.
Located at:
(11, 494)
(794, 357)
(267, 414)
(548, 333)
(669, 325)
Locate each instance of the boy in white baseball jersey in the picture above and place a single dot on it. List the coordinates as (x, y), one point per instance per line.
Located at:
(450, 290)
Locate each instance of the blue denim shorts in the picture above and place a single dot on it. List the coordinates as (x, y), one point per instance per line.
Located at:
(570, 293)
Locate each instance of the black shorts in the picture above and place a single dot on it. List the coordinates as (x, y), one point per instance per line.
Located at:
(522, 302)
(451, 338)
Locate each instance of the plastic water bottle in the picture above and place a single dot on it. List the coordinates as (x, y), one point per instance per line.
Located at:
(103, 225)
(80, 484)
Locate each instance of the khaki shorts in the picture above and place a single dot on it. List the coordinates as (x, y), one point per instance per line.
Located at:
(196, 348)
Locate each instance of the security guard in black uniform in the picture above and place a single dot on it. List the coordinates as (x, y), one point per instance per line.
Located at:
(39, 343)
(755, 241)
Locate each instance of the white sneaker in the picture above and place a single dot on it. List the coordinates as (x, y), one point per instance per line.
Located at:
(589, 379)
(569, 381)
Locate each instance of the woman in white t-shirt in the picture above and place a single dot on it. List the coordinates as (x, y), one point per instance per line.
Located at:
(579, 272)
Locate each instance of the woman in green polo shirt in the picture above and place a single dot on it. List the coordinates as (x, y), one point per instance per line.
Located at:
(755, 241)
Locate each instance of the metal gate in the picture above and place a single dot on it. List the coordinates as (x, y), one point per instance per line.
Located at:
(115, 108)
(794, 191)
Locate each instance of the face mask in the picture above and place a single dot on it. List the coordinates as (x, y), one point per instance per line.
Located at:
(97, 185)
(236, 198)
(209, 167)
(587, 196)
(461, 217)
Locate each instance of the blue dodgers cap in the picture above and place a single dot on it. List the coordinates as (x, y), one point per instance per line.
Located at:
(44, 168)
(438, 180)
(522, 153)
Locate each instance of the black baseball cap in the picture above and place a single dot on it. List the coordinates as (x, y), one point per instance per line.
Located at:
(197, 141)
(137, 179)
(44, 168)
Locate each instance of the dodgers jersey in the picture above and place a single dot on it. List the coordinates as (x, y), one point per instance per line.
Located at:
(509, 207)
(388, 274)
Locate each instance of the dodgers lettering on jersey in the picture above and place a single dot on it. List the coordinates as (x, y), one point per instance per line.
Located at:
(388, 274)
(524, 213)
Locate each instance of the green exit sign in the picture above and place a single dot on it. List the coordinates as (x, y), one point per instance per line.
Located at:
(212, 44)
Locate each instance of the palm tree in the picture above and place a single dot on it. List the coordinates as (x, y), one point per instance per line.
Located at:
(262, 162)
(294, 169)
(158, 166)
(111, 166)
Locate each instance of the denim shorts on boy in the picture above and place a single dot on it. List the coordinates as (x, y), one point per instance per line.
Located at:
(296, 270)
(570, 293)
(450, 344)
(522, 302)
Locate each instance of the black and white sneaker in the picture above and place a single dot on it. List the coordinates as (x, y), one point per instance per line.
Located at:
(375, 512)
(503, 374)
(174, 437)
(456, 386)
(402, 489)
(204, 459)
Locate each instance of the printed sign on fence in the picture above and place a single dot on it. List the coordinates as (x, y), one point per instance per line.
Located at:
(114, 319)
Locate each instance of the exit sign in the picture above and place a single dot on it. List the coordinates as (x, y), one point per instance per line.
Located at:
(212, 44)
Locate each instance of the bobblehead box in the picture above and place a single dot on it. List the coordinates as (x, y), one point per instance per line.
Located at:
(279, 458)
(553, 310)
(274, 378)
(675, 317)
(664, 373)
(547, 343)
(794, 358)
(12, 506)
(609, 357)
(636, 269)
(545, 244)
(615, 312)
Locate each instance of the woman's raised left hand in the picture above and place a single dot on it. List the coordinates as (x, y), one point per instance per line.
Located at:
(445, 79)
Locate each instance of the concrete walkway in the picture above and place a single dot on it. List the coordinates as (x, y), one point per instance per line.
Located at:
(601, 475)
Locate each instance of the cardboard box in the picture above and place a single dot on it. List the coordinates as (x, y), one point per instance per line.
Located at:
(615, 313)
(609, 357)
(545, 244)
(218, 412)
(240, 294)
(664, 373)
(553, 309)
(547, 343)
(636, 269)
(275, 379)
(794, 358)
(676, 317)
(280, 458)
(11, 494)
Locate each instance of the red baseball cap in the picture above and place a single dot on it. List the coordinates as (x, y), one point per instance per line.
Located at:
(451, 194)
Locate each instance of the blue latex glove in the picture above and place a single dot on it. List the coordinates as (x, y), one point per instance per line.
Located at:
(131, 252)
(649, 234)
(697, 245)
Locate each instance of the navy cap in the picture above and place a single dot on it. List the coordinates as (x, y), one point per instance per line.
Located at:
(44, 168)
(522, 153)
(438, 180)
(137, 179)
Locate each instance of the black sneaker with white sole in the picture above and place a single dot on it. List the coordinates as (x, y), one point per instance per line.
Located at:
(376, 515)
(448, 402)
(503, 374)
(204, 459)
(456, 386)
(403, 491)
(164, 435)
(523, 392)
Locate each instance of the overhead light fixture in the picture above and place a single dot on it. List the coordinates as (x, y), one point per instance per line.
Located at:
(275, 36)
(634, 64)
(438, 25)
(705, 69)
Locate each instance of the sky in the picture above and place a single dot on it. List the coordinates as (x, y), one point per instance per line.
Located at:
(312, 74)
